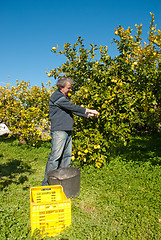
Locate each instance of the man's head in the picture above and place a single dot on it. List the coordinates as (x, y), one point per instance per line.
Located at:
(64, 84)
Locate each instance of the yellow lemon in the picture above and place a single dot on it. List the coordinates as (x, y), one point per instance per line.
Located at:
(72, 158)
(86, 151)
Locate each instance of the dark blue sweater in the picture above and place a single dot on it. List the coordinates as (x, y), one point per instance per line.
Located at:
(61, 111)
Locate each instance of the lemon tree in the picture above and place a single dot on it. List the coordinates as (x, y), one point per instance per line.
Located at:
(24, 110)
(125, 90)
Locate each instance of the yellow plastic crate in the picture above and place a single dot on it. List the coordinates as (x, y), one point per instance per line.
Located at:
(47, 213)
(47, 194)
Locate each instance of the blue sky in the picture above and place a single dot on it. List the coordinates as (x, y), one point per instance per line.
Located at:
(30, 28)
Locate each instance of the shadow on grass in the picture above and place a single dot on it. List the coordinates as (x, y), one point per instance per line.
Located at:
(6, 138)
(142, 149)
(14, 171)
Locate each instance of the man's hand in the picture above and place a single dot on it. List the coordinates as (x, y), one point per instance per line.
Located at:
(92, 113)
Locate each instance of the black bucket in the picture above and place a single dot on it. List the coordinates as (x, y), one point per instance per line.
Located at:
(68, 178)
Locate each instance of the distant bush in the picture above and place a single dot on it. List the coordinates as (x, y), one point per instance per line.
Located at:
(24, 110)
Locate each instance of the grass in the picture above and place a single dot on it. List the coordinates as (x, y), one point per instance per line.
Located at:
(119, 201)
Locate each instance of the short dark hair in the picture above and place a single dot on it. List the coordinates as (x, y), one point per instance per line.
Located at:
(62, 82)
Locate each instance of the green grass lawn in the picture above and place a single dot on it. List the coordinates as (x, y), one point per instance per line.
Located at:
(120, 201)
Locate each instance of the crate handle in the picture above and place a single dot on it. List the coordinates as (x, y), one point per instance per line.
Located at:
(45, 189)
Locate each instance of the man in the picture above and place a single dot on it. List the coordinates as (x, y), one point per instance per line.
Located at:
(61, 111)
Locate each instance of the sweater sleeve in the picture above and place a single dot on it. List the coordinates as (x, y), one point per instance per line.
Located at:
(66, 104)
(85, 115)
